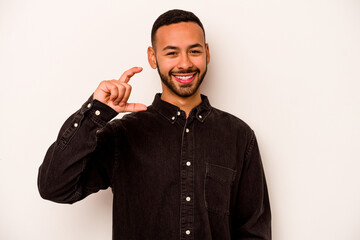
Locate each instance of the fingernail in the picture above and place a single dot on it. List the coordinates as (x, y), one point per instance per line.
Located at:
(122, 104)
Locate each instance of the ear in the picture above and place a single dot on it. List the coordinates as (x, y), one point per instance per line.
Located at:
(151, 57)
(207, 53)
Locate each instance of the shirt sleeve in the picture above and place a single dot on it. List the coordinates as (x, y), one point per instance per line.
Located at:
(252, 218)
(79, 162)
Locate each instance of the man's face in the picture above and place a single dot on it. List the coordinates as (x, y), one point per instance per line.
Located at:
(181, 57)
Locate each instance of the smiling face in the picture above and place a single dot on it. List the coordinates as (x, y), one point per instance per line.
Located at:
(181, 57)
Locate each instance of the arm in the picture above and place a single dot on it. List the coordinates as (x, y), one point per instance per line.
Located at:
(252, 217)
(80, 161)
(77, 146)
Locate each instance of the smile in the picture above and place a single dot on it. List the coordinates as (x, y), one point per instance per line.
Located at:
(184, 79)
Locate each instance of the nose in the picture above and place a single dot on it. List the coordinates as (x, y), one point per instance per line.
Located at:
(185, 62)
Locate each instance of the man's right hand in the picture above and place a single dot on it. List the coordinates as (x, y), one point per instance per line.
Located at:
(116, 93)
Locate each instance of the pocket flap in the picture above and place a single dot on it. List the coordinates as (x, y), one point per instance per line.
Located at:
(220, 173)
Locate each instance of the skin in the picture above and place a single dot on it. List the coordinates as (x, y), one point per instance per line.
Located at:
(115, 93)
(179, 51)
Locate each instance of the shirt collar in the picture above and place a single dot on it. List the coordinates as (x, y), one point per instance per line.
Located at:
(172, 112)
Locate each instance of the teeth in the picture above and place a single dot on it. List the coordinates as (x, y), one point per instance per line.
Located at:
(184, 77)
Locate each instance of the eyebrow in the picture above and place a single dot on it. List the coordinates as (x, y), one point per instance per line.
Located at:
(177, 48)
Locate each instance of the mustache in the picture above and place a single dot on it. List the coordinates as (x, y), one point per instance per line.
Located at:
(190, 70)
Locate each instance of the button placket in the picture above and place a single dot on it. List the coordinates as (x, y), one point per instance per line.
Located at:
(187, 181)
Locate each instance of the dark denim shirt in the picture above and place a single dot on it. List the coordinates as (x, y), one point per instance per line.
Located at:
(172, 177)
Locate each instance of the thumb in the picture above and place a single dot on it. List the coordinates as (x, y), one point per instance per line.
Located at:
(134, 107)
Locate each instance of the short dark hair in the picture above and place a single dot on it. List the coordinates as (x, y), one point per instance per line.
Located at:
(174, 16)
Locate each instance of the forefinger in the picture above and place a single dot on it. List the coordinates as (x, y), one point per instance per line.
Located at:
(125, 77)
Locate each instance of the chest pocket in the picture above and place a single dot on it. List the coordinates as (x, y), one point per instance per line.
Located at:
(217, 190)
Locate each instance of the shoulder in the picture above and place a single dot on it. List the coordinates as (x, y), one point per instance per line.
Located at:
(229, 119)
(231, 126)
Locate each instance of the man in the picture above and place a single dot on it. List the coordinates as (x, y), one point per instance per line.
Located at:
(178, 169)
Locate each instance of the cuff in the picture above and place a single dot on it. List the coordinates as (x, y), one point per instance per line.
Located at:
(98, 111)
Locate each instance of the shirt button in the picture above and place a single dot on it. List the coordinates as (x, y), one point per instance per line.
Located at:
(76, 125)
(89, 105)
(97, 112)
(188, 163)
(187, 130)
(173, 118)
(178, 113)
(187, 232)
(188, 199)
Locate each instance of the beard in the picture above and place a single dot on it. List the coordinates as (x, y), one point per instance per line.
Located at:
(185, 90)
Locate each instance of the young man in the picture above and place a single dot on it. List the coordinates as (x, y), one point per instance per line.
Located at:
(178, 169)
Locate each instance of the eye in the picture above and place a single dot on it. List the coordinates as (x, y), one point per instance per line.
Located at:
(195, 52)
(171, 53)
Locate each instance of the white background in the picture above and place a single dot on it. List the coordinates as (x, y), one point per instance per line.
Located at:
(290, 69)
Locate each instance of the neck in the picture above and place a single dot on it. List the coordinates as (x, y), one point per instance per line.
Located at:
(184, 103)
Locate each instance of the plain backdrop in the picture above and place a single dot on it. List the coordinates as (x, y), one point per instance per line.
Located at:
(290, 69)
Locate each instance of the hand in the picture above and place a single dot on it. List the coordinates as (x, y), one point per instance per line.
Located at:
(116, 93)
